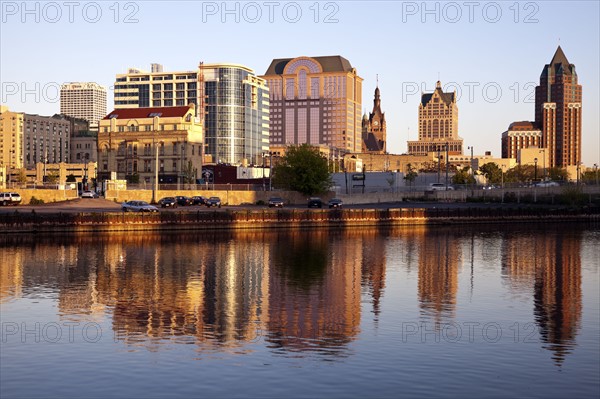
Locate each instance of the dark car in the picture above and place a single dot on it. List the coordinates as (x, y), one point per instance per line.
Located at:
(199, 200)
(168, 202)
(183, 200)
(213, 201)
(335, 203)
(315, 202)
(275, 202)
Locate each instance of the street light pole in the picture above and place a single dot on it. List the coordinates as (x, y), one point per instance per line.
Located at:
(447, 165)
(155, 188)
(471, 165)
(535, 170)
(502, 182)
(596, 170)
(543, 162)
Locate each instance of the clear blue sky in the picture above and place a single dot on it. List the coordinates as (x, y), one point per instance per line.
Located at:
(493, 52)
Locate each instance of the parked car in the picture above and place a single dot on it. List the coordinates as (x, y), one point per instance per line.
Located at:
(199, 200)
(213, 201)
(10, 199)
(183, 200)
(168, 202)
(335, 203)
(89, 194)
(275, 202)
(138, 206)
(439, 187)
(547, 184)
(315, 202)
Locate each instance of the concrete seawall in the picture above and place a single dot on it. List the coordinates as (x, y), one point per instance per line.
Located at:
(31, 222)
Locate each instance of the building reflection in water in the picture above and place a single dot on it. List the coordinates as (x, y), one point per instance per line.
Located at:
(295, 291)
(550, 265)
(315, 291)
(439, 258)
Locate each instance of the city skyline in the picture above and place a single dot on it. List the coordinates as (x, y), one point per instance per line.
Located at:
(481, 54)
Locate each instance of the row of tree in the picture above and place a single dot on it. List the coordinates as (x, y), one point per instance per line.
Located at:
(303, 169)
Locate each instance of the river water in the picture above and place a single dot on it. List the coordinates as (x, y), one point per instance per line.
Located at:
(507, 310)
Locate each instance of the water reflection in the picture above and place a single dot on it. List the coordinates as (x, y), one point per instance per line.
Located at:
(550, 266)
(439, 257)
(296, 292)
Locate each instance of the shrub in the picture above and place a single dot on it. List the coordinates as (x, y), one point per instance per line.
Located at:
(35, 201)
(260, 202)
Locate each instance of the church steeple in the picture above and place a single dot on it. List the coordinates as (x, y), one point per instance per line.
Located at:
(374, 131)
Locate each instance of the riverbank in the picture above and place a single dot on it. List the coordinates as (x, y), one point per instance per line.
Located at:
(247, 219)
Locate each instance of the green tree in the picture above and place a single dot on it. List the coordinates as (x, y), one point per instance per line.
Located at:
(559, 174)
(133, 179)
(189, 173)
(520, 173)
(22, 176)
(302, 169)
(71, 178)
(463, 176)
(492, 172)
(411, 174)
(52, 177)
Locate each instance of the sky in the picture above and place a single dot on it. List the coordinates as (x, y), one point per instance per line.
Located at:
(490, 52)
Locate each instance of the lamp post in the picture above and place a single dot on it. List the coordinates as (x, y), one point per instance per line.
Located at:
(543, 150)
(596, 170)
(447, 165)
(471, 165)
(578, 172)
(502, 182)
(270, 171)
(535, 170)
(439, 163)
(155, 187)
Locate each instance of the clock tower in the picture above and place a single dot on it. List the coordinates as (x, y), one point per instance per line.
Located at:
(374, 128)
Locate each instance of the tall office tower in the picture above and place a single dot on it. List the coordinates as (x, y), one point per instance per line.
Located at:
(315, 100)
(374, 128)
(558, 111)
(232, 102)
(438, 124)
(84, 100)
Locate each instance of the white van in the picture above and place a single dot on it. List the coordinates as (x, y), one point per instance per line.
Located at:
(439, 187)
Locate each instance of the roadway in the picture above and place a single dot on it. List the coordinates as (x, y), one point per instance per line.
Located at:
(89, 205)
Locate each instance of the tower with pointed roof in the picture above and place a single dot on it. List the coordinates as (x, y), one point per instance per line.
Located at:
(558, 111)
(438, 124)
(374, 128)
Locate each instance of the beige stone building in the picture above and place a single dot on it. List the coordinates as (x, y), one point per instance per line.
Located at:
(27, 139)
(11, 139)
(137, 142)
(518, 136)
(315, 100)
(438, 124)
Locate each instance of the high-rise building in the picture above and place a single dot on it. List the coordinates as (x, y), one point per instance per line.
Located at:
(234, 103)
(558, 111)
(27, 139)
(438, 124)
(374, 128)
(518, 136)
(315, 100)
(84, 100)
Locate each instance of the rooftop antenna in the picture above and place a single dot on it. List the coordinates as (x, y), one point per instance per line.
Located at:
(377, 79)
